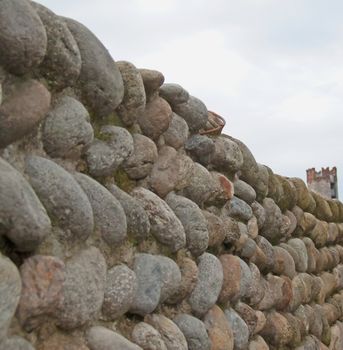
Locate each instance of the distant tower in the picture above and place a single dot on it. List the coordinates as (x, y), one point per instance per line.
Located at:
(323, 181)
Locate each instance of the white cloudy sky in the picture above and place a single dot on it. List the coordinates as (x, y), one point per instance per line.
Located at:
(272, 68)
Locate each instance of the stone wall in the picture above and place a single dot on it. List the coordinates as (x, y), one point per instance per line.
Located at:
(123, 225)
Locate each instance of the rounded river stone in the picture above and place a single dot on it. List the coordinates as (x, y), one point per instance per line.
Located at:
(62, 196)
(23, 219)
(210, 280)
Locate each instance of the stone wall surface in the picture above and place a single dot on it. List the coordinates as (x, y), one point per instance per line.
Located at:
(123, 225)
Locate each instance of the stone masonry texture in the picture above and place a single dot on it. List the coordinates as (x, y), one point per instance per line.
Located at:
(125, 224)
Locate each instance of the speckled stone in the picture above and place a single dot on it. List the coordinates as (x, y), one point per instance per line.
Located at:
(134, 99)
(194, 331)
(177, 132)
(141, 161)
(215, 228)
(109, 215)
(218, 329)
(209, 284)
(24, 220)
(170, 332)
(193, 222)
(244, 191)
(104, 157)
(165, 226)
(149, 283)
(136, 218)
(238, 209)
(171, 171)
(194, 112)
(62, 63)
(10, 289)
(201, 187)
(120, 291)
(227, 156)
(201, 148)
(239, 328)
(69, 205)
(67, 129)
(83, 289)
(147, 337)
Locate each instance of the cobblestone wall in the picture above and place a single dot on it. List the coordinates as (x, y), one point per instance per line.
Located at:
(124, 226)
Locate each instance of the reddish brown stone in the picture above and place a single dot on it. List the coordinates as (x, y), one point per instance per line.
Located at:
(232, 278)
(22, 111)
(216, 232)
(248, 315)
(156, 118)
(42, 278)
(218, 329)
(284, 263)
(189, 277)
(277, 330)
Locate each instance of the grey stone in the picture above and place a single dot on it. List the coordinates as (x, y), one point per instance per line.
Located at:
(174, 94)
(67, 128)
(244, 191)
(300, 248)
(120, 291)
(177, 132)
(104, 157)
(0, 93)
(272, 225)
(83, 289)
(239, 328)
(100, 81)
(149, 284)
(16, 343)
(133, 103)
(156, 118)
(227, 156)
(109, 215)
(22, 110)
(152, 80)
(171, 171)
(194, 112)
(246, 290)
(23, 39)
(238, 209)
(170, 332)
(23, 219)
(10, 289)
(101, 338)
(260, 213)
(202, 186)
(201, 148)
(141, 161)
(209, 284)
(138, 223)
(62, 196)
(147, 337)
(171, 277)
(193, 222)
(62, 63)
(164, 224)
(194, 331)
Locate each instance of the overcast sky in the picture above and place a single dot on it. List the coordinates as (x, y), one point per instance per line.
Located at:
(272, 68)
